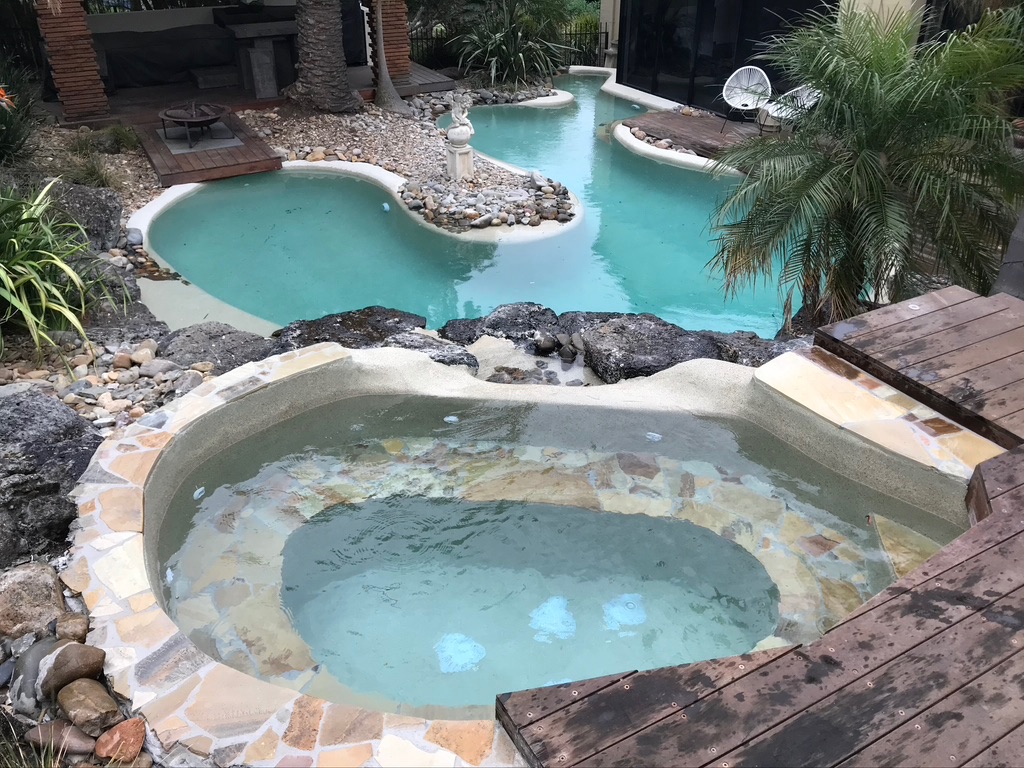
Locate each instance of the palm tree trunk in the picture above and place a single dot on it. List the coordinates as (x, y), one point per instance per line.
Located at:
(386, 96)
(322, 73)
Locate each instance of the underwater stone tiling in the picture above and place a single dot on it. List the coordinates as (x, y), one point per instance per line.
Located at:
(856, 401)
(200, 711)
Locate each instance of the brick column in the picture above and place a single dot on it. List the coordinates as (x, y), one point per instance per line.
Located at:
(396, 37)
(76, 73)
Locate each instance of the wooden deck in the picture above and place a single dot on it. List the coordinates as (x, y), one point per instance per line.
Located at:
(927, 673)
(252, 156)
(702, 134)
(958, 353)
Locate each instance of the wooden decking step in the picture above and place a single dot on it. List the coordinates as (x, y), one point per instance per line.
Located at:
(215, 77)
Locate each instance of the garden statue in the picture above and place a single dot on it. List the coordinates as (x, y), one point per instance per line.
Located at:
(460, 154)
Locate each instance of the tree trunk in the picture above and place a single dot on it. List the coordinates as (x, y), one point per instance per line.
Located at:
(322, 73)
(386, 96)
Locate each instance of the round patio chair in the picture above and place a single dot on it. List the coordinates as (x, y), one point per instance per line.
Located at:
(788, 107)
(747, 90)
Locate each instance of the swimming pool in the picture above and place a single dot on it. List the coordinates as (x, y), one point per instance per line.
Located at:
(303, 244)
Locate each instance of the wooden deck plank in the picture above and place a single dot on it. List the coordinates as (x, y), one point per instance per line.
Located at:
(532, 705)
(894, 314)
(739, 712)
(963, 360)
(1005, 753)
(951, 339)
(642, 699)
(919, 329)
(983, 379)
(998, 403)
(957, 728)
(970, 545)
(832, 730)
(1013, 423)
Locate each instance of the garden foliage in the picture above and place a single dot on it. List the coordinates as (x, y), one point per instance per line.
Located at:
(905, 165)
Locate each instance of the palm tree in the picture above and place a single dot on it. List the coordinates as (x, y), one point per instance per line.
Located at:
(905, 165)
(322, 72)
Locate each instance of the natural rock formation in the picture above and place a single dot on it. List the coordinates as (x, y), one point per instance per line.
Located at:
(44, 448)
(97, 210)
(360, 329)
(31, 596)
(223, 345)
(439, 350)
(88, 705)
(640, 345)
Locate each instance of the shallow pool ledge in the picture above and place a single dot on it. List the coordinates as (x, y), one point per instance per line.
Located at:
(690, 161)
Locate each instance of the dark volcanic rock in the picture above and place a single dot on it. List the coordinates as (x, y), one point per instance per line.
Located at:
(444, 352)
(223, 345)
(462, 331)
(518, 322)
(749, 349)
(97, 210)
(44, 448)
(640, 345)
(360, 329)
(574, 322)
(117, 313)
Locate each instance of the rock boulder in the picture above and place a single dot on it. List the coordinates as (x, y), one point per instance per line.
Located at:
(439, 350)
(60, 737)
(31, 596)
(520, 322)
(223, 345)
(746, 348)
(641, 345)
(88, 705)
(360, 329)
(97, 210)
(44, 447)
(66, 662)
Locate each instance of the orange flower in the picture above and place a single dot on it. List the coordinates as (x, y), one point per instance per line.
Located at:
(5, 101)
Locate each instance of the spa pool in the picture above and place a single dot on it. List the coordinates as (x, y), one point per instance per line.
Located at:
(421, 554)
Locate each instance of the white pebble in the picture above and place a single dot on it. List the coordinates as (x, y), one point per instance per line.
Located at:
(199, 493)
(654, 437)
(452, 419)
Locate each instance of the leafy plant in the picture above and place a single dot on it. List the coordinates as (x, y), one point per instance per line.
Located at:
(90, 170)
(515, 41)
(124, 138)
(17, 121)
(904, 165)
(39, 291)
(81, 145)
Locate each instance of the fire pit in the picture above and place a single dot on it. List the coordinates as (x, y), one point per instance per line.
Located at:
(192, 115)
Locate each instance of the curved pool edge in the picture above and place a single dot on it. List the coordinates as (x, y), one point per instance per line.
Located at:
(692, 162)
(644, 99)
(196, 706)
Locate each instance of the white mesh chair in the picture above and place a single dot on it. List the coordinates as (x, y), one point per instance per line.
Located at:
(788, 106)
(747, 90)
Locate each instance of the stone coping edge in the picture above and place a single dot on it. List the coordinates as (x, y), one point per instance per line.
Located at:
(623, 135)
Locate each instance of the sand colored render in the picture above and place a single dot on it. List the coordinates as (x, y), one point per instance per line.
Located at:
(200, 711)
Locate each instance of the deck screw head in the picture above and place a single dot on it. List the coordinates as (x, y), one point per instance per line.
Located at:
(917, 726)
(561, 758)
(674, 704)
(831, 650)
(625, 687)
(683, 716)
(870, 684)
(713, 750)
(1014, 641)
(901, 713)
(529, 714)
(952, 758)
(575, 693)
(914, 306)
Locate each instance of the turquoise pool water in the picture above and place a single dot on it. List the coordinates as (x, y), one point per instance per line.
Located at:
(294, 245)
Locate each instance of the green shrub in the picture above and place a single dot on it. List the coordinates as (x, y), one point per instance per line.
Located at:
(124, 138)
(39, 291)
(514, 41)
(81, 145)
(17, 122)
(91, 170)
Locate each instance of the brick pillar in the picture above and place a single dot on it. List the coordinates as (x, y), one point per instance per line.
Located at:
(396, 37)
(76, 73)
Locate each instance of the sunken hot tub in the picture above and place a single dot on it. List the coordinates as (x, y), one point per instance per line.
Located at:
(352, 552)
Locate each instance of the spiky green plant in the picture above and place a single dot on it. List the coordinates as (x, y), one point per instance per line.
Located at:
(124, 138)
(904, 164)
(39, 291)
(91, 170)
(17, 120)
(514, 41)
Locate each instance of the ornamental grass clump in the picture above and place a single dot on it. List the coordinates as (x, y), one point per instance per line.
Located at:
(514, 41)
(39, 291)
(904, 166)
